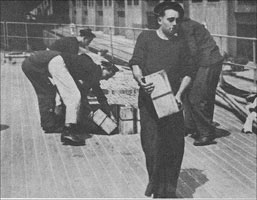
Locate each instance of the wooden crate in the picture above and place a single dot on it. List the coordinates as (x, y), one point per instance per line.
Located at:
(102, 120)
(127, 120)
(162, 95)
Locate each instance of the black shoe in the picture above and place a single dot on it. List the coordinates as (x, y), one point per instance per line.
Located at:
(72, 140)
(71, 135)
(206, 140)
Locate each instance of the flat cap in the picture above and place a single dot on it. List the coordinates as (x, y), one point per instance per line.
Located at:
(161, 7)
(87, 33)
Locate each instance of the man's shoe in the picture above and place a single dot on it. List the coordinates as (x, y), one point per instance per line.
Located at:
(72, 139)
(206, 140)
(70, 135)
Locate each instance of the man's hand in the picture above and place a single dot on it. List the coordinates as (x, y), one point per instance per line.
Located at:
(147, 87)
(179, 101)
(113, 118)
(106, 109)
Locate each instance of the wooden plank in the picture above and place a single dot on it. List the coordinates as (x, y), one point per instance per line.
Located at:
(219, 176)
(112, 166)
(92, 187)
(106, 181)
(33, 177)
(6, 141)
(131, 179)
(49, 186)
(19, 187)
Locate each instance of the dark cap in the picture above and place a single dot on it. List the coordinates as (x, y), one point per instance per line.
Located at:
(87, 33)
(109, 66)
(161, 7)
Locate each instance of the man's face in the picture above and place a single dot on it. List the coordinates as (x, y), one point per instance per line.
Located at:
(106, 74)
(86, 41)
(168, 22)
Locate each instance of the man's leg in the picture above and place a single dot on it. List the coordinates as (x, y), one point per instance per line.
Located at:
(45, 91)
(202, 98)
(70, 95)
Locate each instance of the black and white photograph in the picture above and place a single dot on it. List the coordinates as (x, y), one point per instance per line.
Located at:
(128, 99)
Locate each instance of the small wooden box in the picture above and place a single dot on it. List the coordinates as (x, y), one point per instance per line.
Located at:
(127, 120)
(162, 95)
(102, 120)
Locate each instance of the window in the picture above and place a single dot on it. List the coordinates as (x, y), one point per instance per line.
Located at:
(105, 2)
(121, 3)
(213, 0)
(100, 13)
(99, 2)
(121, 13)
(85, 12)
(129, 2)
(74, 2)
(110, 2)
(84, 2)
(136, 2)
(196, 1)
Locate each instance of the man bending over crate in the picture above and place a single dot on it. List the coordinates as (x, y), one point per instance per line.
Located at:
(72, 77)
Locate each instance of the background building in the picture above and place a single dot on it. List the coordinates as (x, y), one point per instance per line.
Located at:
(225, 17)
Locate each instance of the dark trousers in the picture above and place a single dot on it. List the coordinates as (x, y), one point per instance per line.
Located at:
(199, 102)
(163, 144)
(46, 93)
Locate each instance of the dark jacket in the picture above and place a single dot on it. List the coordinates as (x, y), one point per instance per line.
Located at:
(40, 60)
(82, 67)
(202, 46)
(66, 45)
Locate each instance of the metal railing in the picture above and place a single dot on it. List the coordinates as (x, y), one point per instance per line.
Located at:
(119, 41)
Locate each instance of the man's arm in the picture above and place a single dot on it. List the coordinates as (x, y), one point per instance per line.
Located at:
(137, 73)
(97, 90)
(184, 84)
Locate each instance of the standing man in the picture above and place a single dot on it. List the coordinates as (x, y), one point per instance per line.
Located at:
(162, 139)
(199, 106)
(67, 72)
(71, 44)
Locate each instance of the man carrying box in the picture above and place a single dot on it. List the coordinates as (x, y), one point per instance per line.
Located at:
(162, 139)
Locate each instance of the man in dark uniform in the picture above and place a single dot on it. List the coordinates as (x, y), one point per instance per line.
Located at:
(73, 75)
(71, 44)
(162, 139)
(199, 104)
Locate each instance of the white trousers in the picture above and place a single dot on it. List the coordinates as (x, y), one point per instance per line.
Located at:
(66, 87)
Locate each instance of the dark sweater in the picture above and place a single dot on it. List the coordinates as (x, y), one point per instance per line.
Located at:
(82, 67)
(202, 46)
(40, 60)
(152, 54)
(66, 45)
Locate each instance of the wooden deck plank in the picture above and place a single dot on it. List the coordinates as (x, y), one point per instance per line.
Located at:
(33, 176)
(19, 185)
(94, 187)
(132, 181)
(48, 185)
(6, 141)
(105, 180)
(220, 179)
(112, 167)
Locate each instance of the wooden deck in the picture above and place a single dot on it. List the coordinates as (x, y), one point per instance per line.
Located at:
(37, 165)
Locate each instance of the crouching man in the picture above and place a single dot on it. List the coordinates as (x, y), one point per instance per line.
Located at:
(67, 73)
